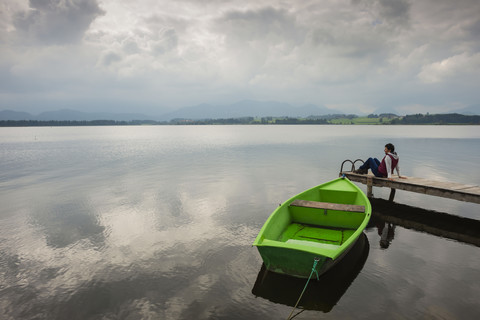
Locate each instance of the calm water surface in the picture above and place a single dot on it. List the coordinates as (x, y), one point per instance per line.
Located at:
(157, 223)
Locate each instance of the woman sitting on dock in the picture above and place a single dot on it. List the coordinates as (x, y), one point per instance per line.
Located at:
(384, 168)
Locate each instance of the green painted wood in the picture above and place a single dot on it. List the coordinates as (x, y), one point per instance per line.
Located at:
(293, 236)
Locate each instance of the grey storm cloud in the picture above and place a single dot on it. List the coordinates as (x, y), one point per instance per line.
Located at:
(395, 10)
(57, 21)
(358, 56)
(265, 22)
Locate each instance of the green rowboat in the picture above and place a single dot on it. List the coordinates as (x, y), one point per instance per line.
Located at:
(322, 295)
(321, 223)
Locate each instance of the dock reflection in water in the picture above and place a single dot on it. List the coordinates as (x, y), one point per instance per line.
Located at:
(386, 215)
(322, 294)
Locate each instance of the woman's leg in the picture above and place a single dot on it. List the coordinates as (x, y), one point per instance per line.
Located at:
(374, 167)
(372, 164)
(368, 164)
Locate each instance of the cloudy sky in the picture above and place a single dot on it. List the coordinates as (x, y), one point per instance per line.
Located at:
(149, 56)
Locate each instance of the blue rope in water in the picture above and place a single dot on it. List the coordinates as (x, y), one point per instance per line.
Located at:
(314, 269)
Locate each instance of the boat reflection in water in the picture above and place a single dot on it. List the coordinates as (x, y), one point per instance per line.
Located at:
(322, 294)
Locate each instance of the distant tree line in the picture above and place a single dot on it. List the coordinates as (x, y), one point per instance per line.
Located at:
(334, 116)
(66, 123)
(243, 120)
(452, 118)
(300, 121)
(383, 115)
(251, 120)
(449, 118)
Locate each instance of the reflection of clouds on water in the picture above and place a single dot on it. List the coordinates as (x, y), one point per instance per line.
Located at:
(423, 266)
(40, 270)
(157, 238)
(440, 271)
(189, 302)
(64, 224)
(441, 262)
(161, 226)
(219, 287)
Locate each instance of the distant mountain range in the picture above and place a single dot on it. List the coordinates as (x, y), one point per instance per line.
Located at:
(71, 115)
(471, 110)
(245, 108)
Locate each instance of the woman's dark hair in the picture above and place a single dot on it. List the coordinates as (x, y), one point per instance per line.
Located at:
(390, 147)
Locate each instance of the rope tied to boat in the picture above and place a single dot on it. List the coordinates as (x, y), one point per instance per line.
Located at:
(314, 269)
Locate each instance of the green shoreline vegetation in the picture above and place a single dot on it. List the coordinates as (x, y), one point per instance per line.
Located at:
(372, 119)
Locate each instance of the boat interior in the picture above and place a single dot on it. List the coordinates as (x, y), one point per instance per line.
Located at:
(297, 233)
(324, 219)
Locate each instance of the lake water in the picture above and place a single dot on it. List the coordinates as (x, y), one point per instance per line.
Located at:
(157, 222)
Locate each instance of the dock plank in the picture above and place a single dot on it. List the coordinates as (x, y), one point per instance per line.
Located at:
(444, 189)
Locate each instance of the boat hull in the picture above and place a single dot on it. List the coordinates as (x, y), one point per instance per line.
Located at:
(298, 263)
(321, 295)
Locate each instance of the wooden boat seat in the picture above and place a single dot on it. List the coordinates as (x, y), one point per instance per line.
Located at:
(327, 206)
(326, 246)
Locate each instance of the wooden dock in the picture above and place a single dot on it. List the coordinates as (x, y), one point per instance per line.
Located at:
(451, 190)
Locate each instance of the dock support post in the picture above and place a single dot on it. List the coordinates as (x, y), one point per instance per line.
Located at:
(392, 195)
(369, 187)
